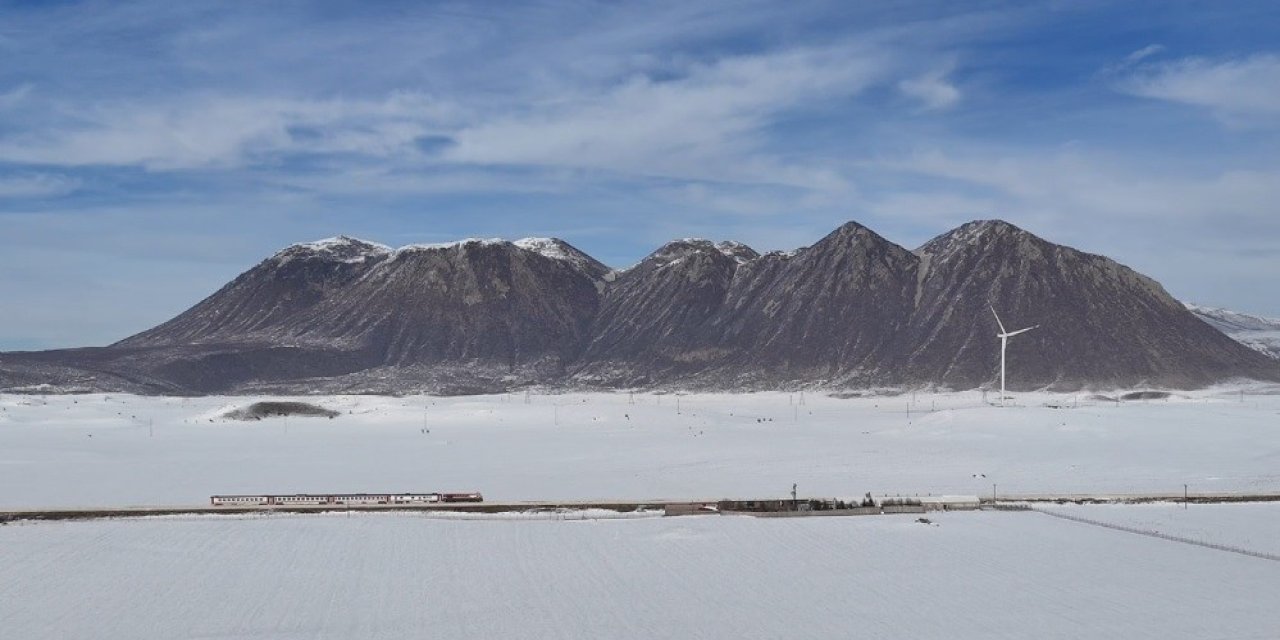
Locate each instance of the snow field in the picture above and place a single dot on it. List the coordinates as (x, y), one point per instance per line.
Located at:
(1243, 525)
(971, 575)
(66, 451)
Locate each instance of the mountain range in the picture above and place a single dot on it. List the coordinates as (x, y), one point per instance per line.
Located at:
(853, 310)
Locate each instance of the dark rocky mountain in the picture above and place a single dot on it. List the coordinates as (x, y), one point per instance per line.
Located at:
(263, 303)
(657, 319)
(724, 316)
(853, 310)
(831, 312)
(346, 314)
(1101, 323)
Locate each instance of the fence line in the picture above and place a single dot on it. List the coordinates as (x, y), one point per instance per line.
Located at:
(1163, 536)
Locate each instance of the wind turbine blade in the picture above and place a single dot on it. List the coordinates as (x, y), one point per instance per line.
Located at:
(1023, 330)
(993, 312)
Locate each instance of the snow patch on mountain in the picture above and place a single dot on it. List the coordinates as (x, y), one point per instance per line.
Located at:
(556, 249)
(338, 249)
(676, 251)
(434, 246)
(1259, 333)
(741, 253)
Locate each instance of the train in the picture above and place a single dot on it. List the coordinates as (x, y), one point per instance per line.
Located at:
(313, 499)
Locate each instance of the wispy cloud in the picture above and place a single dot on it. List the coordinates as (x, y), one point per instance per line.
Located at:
(215, 131)
(1070, 183)
(1143, 53)
(707, 122)
(933, 90)
(36, 185)
(1244, 91)
(13, 97)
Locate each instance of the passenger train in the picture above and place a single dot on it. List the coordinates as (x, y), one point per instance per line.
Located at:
(308, 499)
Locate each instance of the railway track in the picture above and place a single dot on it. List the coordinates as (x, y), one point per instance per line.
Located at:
(89, 513)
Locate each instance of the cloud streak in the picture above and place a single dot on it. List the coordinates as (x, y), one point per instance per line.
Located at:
(1243, 91)
(37, 185)
(225, 132)
(932, 90)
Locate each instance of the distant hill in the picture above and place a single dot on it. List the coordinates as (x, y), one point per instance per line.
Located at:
(851, 311)
(1256, 332)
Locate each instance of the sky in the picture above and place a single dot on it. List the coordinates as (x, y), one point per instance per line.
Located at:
(152, 151)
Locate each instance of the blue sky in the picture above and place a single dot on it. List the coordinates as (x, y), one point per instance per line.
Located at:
(151, 151)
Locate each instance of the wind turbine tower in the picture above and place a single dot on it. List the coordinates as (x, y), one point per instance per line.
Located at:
(1004, 342)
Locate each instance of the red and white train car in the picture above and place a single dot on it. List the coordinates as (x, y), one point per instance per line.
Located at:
(310, 499)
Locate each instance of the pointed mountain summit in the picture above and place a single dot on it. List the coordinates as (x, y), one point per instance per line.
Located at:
(830, 312)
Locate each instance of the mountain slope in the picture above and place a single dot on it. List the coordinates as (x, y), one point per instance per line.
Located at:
(657, 318)
(260, 303)
(830, 312)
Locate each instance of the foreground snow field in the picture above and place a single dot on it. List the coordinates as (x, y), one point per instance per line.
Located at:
(970, 575)
(1247, 526)
(97, 450)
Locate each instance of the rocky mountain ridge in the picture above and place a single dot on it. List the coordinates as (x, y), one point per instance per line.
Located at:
(851, 310)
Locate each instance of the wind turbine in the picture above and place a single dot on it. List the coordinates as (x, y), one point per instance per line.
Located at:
(1004, 342)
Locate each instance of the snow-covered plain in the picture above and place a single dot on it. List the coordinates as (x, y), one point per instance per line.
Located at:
(364, 575)
(970, 575)
(1251, 526)
(96, 450)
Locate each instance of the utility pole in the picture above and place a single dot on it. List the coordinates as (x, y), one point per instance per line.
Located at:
(993, 493)
(794, 504)
(1185, 497)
